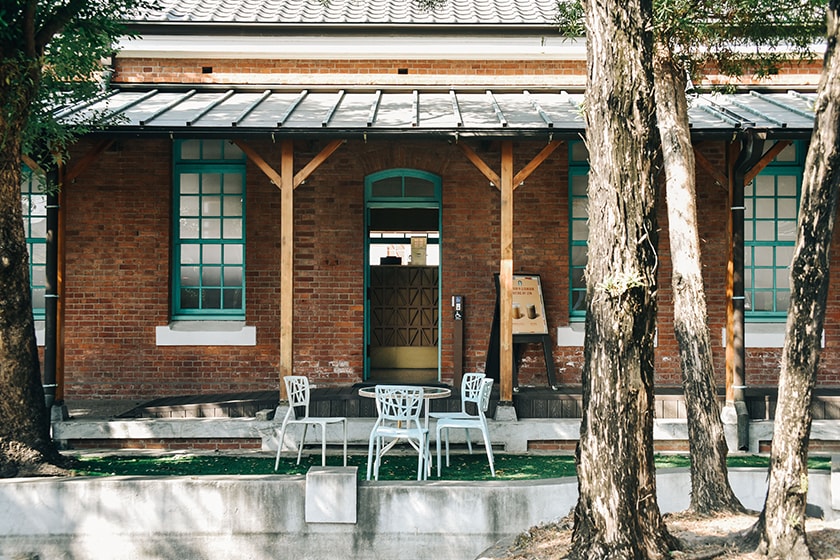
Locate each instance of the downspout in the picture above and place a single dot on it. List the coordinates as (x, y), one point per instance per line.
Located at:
(752, 148)
(51, 294)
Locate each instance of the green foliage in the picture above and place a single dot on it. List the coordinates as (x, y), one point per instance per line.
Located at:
(394, 467)
(67, 41)
(737, 36)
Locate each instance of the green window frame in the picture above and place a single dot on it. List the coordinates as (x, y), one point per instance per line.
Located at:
(208, 279)
(34, 209)
(771, 206)
(578, 228)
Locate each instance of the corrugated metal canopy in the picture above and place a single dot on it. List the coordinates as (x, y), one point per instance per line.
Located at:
(424, 112)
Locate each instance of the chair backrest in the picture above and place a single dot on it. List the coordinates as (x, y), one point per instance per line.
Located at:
(470, 388)
(484, 395)
(297, 390)
(399, 402)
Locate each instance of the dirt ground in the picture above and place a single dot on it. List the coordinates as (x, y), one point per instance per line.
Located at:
(702, 538)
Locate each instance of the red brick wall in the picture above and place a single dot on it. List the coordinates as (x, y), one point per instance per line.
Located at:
(167, 70)
(117, 273)
(258, 70)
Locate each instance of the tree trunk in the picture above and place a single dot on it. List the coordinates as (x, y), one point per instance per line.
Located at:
(781, 525)
(617, 515)
(710, 489)
(25, 441)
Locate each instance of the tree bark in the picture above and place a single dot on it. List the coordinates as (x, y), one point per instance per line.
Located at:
(781, 525)
(617, 515)
(710, 489)
(25, 442)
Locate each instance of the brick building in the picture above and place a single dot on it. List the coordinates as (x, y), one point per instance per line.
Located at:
(306, 187)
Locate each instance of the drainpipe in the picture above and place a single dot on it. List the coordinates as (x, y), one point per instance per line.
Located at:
(752, 148)
(51, 294)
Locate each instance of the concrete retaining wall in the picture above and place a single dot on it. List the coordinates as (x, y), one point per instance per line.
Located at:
(256, 517)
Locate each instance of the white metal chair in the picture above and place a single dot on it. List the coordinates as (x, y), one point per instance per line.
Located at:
(478, 421)
(297, 389)
(398, 408)
(470, 389)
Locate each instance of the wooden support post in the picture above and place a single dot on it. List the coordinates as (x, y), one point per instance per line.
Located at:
(506, 276)
(287, 288)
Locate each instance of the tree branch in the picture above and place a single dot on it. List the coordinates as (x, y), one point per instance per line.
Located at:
(55, 22)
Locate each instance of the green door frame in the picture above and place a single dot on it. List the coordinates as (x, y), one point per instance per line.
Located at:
(399, 188)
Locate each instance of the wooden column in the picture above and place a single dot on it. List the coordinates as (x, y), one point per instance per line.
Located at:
(506, 276)
(287, 288)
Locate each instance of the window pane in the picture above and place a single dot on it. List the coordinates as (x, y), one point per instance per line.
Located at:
(189, 206)
(580, 185)
(580, 230)
(39, 253)
(579, 152)
(765, 208)
(38, 228)
(211, 183)
(765, 231)
(787, 155)
(233, 183)
(763, 277)
(786, 230)
(782, 300)
(233, 254)
(388, 187)
(233, 299)
(212, 149)
(211, 276)
(579, 255)
(189, 183)
(211, 206)
(211, 299)
(188, 228)
(212, 254)
(189, 254)
(748, 209)
(233, 229)
(784, 255)
(233, 206)
(211, 229)
(580, 208)
(233, 276)
(578, 278)
(191, 149)
(39, 275)
(39, 299)
(763, 256)
(763, 301)
(232, 151)
(189, 298)
(782, 279)
(787, 185)
(786, 209)
(417, 187)
(765, 185)
(189, 275)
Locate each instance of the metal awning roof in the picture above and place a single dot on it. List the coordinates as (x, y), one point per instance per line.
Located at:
(349, 113)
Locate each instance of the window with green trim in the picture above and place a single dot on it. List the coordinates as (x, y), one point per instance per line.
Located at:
(578, 227)
(34, 207)
(771, 204)
(209, 230)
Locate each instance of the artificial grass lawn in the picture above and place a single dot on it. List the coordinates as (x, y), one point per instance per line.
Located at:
(394, 467)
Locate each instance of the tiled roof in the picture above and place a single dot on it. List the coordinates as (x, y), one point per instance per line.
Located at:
(323, 12)
(361, 113)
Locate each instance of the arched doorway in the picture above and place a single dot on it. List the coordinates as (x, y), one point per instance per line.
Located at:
(402, 276)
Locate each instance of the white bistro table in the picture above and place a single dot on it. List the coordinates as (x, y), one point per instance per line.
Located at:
(429, 392)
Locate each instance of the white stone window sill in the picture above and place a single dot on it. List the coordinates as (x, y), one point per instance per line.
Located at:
(571, 335)
(764, 335)
(206, 333)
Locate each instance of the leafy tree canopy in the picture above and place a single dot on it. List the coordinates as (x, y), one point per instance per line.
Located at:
(65, 41)
(735, 36)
